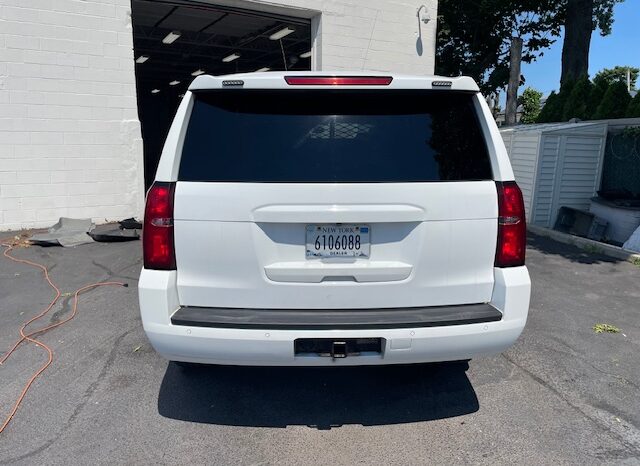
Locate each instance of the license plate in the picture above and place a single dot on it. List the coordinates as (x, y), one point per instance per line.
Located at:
(337, 241)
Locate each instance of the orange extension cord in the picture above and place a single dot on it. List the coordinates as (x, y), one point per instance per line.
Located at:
(30, 336)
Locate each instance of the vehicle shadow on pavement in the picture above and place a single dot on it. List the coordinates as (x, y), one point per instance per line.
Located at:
(316, 397)
(568, 251)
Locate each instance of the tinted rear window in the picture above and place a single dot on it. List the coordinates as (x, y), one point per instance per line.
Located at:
(333, 136)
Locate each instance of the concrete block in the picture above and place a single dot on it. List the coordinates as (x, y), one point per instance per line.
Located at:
(89, 48)
(111, 50)
(22, 15)
(57, 45)
(38, 160)
(13, 110)
(100, 175)
(72, 59)
(69, 6)
(104, 63)
(47, 138)
(104, 37)
(25, 177)
(11, 203)
(25, 97)
(50, 216)
(56, 72)
(67, 176)
(21, 217)
(8, 178)
(23, 69)
(79, 138)
(14, 137)
(63, 31)
(6, 124)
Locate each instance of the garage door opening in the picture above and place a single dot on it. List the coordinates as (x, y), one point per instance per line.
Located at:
(175, 41)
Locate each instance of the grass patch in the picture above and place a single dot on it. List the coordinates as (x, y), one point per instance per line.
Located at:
(605, 328)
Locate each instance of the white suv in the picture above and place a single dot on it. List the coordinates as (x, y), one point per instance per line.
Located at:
(343, 219)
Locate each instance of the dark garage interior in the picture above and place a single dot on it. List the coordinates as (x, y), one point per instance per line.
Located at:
(174, 41)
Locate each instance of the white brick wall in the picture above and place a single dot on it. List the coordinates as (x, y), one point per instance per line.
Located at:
(70, 141)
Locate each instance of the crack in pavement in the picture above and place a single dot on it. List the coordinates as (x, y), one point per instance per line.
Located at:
(65, 308)
(52, 264)
(80, 406)
(572, 352)
(116, 274)
(622, 430)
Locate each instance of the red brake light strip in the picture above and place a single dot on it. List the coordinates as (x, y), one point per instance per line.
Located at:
(338, 80)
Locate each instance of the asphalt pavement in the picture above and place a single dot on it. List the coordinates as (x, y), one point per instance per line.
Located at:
(562, 395)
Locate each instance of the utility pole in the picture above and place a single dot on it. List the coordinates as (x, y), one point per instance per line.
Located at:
(628, 79)
(515, 58)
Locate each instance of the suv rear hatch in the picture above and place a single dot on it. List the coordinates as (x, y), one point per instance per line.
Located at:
(265, 173)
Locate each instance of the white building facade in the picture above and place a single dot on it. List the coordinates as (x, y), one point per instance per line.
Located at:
(70, 135)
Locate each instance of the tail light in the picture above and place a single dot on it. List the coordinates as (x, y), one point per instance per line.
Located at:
(157, 231)
(338, 80)
(512, 227)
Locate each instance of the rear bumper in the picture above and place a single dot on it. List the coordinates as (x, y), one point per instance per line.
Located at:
(275, 346)
(335, 319)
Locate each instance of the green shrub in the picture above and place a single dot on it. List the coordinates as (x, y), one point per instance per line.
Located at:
(550, 110)
(614, 103)
(553, 109)
(633, 110)
(530, 105)
(598, 91)
(576, 104)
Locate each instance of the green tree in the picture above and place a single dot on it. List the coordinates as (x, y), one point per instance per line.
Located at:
(550, 110)
(633, 110)
(598, 91)
(576, 103)
(553, 109)
(579, 19)
(563, 96)
(614, 103)
(473, 37)
(530, 101)
(619, 73)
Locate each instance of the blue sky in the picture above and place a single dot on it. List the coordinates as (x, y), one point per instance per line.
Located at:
(621, 47)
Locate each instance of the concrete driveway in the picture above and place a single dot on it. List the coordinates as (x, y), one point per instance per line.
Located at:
(561, 395)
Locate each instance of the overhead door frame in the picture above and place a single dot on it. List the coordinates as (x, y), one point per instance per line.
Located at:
(302, 16)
